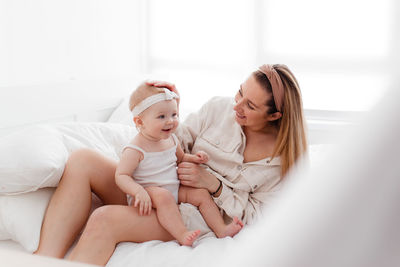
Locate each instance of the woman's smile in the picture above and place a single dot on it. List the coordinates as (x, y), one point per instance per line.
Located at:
(240, 116)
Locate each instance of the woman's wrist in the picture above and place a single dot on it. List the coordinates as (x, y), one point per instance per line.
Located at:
(215, 185)
(217, 192)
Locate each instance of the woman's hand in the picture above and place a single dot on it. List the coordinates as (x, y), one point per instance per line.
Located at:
(162, 84)
(143, 200)
(193, 175)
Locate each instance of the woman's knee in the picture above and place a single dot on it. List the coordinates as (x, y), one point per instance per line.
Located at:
(79, 160)
(100, 224)
(82, 157)
(77, 167)
(86, 163)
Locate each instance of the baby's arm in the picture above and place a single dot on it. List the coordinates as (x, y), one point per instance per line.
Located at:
(129, 161)
(200, 157)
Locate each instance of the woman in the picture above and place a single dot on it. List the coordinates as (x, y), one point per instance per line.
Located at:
(252, 142)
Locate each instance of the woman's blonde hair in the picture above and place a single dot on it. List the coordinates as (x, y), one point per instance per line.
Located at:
(142, 92)
(291, 143)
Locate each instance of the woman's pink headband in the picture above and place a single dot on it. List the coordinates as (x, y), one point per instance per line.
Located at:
(276, 84)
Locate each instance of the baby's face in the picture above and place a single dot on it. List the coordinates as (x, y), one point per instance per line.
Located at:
(161, 119)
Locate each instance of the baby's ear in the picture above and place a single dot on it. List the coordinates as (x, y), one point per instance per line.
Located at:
(138, 121)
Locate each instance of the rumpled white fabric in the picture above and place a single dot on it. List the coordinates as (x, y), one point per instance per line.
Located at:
(31, 164)
(158, 253)
(206, 251)
(35, 157)
(342, 211)
(21, 217)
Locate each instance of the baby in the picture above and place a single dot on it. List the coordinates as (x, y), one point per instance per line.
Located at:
(147, 168)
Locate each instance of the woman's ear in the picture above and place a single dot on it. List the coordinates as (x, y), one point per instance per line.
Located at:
(274, 116)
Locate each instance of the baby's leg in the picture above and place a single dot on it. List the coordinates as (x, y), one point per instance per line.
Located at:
(169, 216)
(209, 210)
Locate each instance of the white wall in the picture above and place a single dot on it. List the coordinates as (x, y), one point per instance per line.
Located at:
(343, 53)
(50, 51)
(61, 58)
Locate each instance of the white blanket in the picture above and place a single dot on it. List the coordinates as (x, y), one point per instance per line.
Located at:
(36, 158)
(157, 253)
(321, 220)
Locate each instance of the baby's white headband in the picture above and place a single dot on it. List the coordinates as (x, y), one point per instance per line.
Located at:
(151, 100)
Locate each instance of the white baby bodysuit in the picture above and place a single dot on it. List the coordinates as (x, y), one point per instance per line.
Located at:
(158, 169)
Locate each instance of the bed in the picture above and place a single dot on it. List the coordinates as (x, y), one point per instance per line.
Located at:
(33, 154)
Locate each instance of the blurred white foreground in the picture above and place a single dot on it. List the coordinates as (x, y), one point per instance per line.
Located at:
(343, 212)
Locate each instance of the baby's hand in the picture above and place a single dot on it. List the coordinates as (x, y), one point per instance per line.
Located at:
(143, 200)
(201, 157)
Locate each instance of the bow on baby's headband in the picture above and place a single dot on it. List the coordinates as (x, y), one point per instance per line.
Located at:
(276, 84)
(151, 100)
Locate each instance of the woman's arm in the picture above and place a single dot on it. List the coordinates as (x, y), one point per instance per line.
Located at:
(193, 175)
(235, 202)
(247, 205)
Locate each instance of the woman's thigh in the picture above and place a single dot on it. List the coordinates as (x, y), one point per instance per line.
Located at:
(126, 225)
(88, 167)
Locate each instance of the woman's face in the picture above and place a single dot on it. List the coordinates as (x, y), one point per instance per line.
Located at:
(250, 107)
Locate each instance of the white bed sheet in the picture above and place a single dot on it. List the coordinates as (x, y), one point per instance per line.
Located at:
(157, 253)
(11, 245)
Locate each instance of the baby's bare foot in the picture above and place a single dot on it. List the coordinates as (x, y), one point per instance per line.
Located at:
(189, 237)
(231, 229)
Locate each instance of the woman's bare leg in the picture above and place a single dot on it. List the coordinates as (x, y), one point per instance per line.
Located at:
(69, 207)
(169, 216)
(111, 224)
(209, 210)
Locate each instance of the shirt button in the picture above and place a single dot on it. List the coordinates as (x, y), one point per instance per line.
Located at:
(239, 167)
(219, 202)
(217, 143)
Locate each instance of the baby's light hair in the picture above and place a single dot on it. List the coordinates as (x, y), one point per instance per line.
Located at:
(142, 92)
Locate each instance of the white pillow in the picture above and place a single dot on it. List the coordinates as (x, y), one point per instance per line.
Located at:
(21, 217)
(122, 114)
(30, 159)
(35, 158)
(106, 138)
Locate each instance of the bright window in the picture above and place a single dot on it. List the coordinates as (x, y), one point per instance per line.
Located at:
(340, 51)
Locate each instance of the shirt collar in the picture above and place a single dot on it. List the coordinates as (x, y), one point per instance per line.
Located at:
(276, 161)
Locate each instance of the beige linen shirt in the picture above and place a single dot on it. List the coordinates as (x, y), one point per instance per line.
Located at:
(247, 187)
